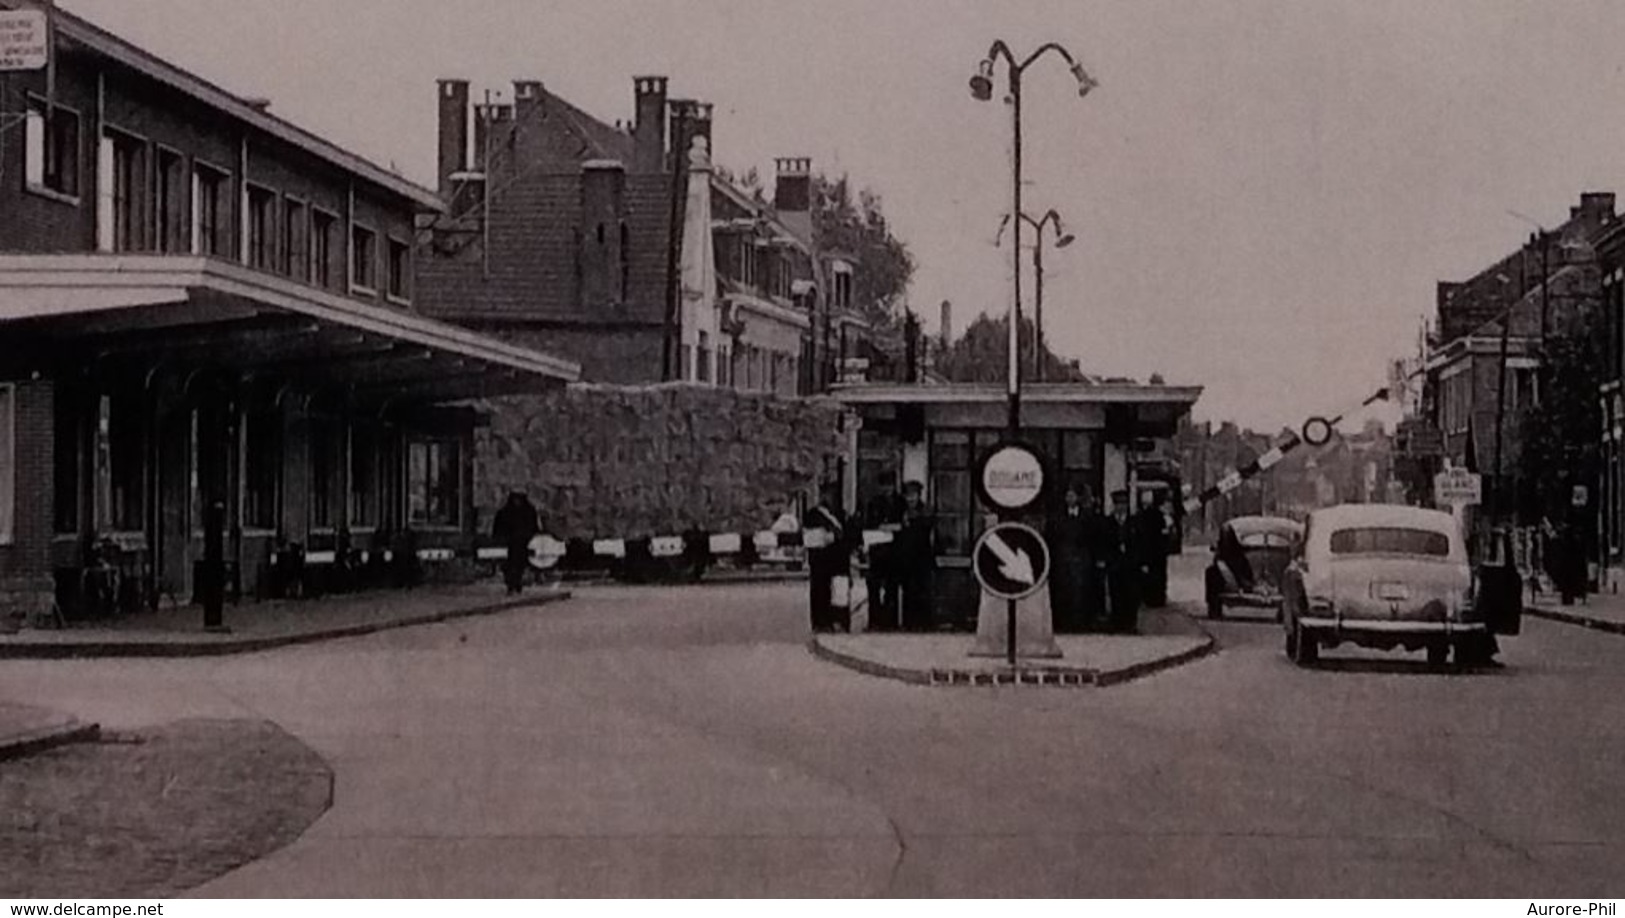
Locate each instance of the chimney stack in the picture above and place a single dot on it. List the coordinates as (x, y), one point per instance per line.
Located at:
(947, 323)
(793, 192)
(649, 124)
(493, 121)
(453, 100)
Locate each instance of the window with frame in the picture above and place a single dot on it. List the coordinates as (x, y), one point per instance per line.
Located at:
(324, 450)
(363, 258)
(51, 147)
(169, 201)
(295, 240)
(363, 476)
(262, 472)
(321, 247)
(262, 233)
(702, 370)
(126, 172)
(211, 214)
(8, 462)
(953, 497)
(843, 290)
(434, 482)
(400, 270)
(126, 443)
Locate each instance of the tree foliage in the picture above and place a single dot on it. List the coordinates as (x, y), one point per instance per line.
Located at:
(981, 354)
(858, 230)
(1558, 439)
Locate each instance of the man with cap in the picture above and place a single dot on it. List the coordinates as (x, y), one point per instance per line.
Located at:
(828, 560)
(916, 558)
(515, 525)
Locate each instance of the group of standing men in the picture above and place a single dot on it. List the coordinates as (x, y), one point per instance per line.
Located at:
(1104, 567)
(899, 581)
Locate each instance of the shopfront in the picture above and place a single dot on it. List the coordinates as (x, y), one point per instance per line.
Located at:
(1089, 436)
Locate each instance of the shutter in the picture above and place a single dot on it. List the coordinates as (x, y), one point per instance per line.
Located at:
(34, 149)
(104, 195)
(197, 214)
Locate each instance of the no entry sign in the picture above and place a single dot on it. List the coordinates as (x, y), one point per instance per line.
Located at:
(1011, 477)
(1011, 561)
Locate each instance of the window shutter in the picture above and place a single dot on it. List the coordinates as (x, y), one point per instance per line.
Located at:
(104, 195)
(197, 214)
(34, 149)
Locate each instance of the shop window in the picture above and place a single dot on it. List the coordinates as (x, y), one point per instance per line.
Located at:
(363, 477)
(262, 471)
(295, 241)
(126, 446)
(65, 459)
(51, 148)
(363, 259)
(8, 463)
(261, 228)
(321, 248)
(211, 221)
(169, 201)
(400, 270)
(953, 501)
(434, 483)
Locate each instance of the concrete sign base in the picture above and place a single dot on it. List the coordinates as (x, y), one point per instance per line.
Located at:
(1035, 633)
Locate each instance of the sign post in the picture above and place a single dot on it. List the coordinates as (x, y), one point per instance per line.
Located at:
(1010, 478)
(1011, 562)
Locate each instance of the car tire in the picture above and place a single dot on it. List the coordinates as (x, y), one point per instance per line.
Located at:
(1439, 655)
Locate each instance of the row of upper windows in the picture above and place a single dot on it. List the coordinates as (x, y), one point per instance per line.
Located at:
(142, 206)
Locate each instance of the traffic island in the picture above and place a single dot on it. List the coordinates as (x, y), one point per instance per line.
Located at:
(26, 729)
(1168, 638)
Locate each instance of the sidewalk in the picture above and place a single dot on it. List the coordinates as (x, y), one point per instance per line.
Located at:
(25, 729)
(178, 632)
(1601, 611)
(1168, 637)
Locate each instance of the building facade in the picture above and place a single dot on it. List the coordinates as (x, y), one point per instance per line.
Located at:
(624, 248)
(208, 312)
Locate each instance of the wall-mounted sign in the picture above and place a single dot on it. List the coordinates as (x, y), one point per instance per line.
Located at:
(23, 40)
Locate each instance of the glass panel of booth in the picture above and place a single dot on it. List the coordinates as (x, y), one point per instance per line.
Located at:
(8, 462)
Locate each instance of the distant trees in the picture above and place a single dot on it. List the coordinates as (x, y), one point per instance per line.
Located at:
(981, 354)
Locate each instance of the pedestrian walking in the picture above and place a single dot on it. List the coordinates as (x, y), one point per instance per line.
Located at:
(1072, 559)
(1122, 571)
(1151, 550)
(827, 561)
(515, 525)
(916, 558)
(884, 513)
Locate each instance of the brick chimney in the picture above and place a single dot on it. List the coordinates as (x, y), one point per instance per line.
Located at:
(453, 100)
(649, 124)
(947, 323)
(527, 97)
(1595, 206)
(492, 123)
(792, 194)
(699, 116)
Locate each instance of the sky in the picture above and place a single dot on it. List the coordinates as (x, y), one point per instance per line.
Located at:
(1264, 192)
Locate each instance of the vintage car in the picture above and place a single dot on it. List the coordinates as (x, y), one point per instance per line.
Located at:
(1382, 576)
(1265, 545)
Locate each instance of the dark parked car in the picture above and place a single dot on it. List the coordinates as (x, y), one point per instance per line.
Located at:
(1249, 561)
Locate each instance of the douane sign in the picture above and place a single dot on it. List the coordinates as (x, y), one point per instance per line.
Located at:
(23, 43)
(1011, 477)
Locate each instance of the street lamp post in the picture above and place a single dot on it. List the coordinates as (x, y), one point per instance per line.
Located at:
(1062, 240)
(981, 87)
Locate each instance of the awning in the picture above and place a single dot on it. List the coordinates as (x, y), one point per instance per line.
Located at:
(204, 312)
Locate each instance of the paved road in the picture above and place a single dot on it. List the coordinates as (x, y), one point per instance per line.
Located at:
(684, 743)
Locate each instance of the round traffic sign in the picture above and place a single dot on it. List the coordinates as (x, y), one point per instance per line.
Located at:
(1317, 431)
(1011, 561)
(1010, 477)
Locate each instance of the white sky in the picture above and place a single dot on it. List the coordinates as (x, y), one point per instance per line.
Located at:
(1264, 191)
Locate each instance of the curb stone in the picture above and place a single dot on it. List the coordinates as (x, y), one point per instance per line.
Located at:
(197, 648)
(70, 731)
(1036, 676)
(1571, 618)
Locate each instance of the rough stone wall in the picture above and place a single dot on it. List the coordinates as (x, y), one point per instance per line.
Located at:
(634, 461)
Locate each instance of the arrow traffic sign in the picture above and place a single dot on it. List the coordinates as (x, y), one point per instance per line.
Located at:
(1011, 561)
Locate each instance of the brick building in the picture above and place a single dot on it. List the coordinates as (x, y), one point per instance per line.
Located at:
(624, 249)
(205, 306)
(1541, 289)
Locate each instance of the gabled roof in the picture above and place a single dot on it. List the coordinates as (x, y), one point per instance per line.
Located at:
(105, 43)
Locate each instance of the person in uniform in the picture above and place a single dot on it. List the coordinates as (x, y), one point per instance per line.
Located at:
(514, 526)
(829, 560)
(1122, 569)
(1072, 558)
(885, 513)
(916, 558)
(1151, 548)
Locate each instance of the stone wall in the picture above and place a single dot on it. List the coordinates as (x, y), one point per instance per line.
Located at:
(633, 461)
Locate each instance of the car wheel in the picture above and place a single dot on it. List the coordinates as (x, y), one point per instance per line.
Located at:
(1439, 655)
